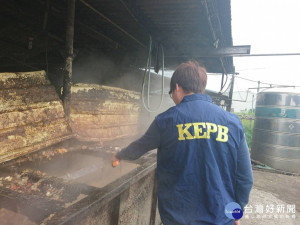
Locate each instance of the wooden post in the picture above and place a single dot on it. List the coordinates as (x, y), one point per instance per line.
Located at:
(69, 56)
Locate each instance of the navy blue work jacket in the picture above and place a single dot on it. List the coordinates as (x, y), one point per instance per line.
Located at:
(203, 162)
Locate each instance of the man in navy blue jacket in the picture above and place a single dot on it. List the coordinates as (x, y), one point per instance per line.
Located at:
(203, 161)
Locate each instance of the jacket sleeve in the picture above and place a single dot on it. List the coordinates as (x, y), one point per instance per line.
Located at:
(150, 140)
(244, 179)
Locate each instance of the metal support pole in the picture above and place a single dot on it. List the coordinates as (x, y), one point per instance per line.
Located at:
(69, 56)
(228, 108)
(258, 86)
(252, 110)
(222, 82)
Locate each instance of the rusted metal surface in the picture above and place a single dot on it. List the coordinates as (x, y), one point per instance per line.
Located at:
(34, 196)
(31, 114)
(135, 202)
(23, 80)
(41, 198)
(127, 200)
(37, 197)
(47, 179)
(102, 113)
(28, 98)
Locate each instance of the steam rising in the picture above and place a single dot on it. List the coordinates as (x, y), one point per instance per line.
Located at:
(102, 70)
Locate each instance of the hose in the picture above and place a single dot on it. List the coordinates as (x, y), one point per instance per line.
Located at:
(147, 69)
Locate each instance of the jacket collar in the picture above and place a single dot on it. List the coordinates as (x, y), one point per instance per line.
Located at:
(196, 96)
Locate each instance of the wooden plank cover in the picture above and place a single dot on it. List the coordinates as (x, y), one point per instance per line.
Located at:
(102, 113)
(31, 114)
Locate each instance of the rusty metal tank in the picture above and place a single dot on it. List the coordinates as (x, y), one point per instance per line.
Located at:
(276, 133)
(52, 173)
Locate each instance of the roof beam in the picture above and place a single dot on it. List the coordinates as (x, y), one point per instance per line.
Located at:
(113, 23)
(216, 52)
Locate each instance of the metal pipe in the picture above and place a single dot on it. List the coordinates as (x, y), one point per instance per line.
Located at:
(223, 67)
(69, 57)
(213, 32)
(111, 22)
(129, 11)
(228, 108)
(46, 14)
(270, 54)
(100, 34)
(222, 81)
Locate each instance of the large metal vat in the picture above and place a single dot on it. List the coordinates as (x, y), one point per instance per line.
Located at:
(51, 174)
(276, 133)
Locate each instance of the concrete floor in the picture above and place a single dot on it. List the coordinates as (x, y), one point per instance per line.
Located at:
(273, 190)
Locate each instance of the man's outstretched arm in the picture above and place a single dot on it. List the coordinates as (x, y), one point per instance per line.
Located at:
(150, 140)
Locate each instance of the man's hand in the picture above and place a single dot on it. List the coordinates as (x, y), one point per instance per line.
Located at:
(236, 222)
(115, 161)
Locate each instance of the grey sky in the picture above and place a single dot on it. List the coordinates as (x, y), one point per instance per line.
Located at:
(269, 26)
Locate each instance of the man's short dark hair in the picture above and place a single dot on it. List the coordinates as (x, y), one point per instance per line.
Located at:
(190, 76)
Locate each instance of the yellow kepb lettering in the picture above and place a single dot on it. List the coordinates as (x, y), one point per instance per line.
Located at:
(222, 134)
(202, 130)
(198, 130)
(185, 131)
(211, 128)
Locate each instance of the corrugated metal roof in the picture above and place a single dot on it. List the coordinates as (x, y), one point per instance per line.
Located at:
(118, 28)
